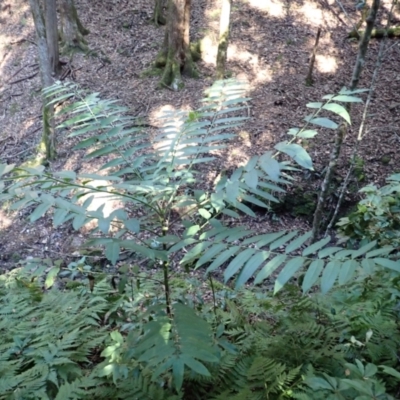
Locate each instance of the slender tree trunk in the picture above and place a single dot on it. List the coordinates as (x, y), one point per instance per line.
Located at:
(158, 16)
(48, 136)
(176, 55)
(52, 36)
(309, 79)
(72, 31)
(359, 66)
(224, 32)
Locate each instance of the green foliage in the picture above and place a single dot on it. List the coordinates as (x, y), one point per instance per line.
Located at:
(46, 340)
(248, 344)
(163, 335)
(377, 216)
(154, 181)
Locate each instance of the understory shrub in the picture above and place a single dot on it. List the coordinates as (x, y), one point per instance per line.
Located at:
(287, 319)
(115, 343)
(377, 216)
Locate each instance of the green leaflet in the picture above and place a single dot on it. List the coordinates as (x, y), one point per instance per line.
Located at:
(250, 268)
(312, 274)
(296, 152)
(112, 250)
(329, 275)
(237, 263)
(297, 243)
(347, 271)
(222, 258)
(288, 272)
(269, 268)
(270, 165)
(316, 246)
(322, 121)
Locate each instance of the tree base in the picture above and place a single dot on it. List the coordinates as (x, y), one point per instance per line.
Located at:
(173, 71)
(78, 45)
(171, 78)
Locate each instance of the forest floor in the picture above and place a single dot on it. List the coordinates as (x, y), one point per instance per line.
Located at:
(270, 47)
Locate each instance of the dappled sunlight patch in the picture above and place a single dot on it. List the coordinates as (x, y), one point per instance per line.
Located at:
(209, 50)
(5, 53)
(260, 72)
(103, 201)
(170, 121)
(5, 222)
(326, 64)
(274, 8)
(312, 14)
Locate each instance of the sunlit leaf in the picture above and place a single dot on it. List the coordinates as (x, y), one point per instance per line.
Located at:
(270, 165)
(347, 99)
(296, 152)
(322, 121)
(339, 110)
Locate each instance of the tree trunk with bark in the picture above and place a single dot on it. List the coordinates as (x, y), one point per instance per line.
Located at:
(224, 32)
(48, 144)
(52, 36)
(72, 31)
(176, 56)
(158, 16)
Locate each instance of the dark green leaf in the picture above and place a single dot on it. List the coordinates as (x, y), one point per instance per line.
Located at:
(297, 243)
(384, 262)
(312, 274)
(210, 254)
(250, 267)
(269, 268)
(178, 368)
(347, 271)
(39, 211)
(288, 272)
(112, 250)
(195, 365)
(222, 258)
(282, 240)
(133, 225)
(329, 275)
(316, 246)
(237, 263)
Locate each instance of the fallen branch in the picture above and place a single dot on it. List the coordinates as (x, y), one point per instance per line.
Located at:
(378, 33)
(24, 79)
(20, 69)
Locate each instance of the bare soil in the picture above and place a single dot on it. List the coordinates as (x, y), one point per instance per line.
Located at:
(270, 46)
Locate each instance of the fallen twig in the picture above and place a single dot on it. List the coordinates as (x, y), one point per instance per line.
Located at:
(24, 79)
